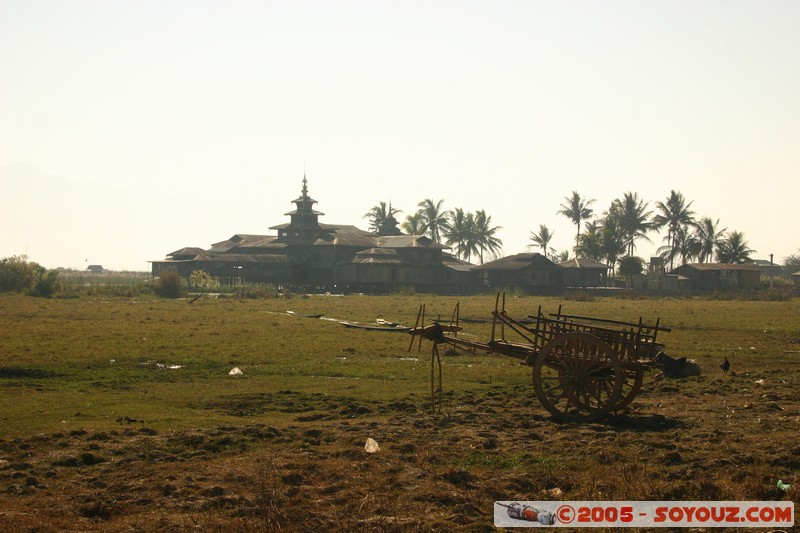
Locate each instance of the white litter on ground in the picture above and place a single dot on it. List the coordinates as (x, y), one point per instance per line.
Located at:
(371, 446)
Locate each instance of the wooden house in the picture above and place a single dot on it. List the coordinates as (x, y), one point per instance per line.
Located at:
(583, 273)
(530, 272)
(720, 276)
(768, 268)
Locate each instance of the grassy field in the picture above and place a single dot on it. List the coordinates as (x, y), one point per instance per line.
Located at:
(120, 413)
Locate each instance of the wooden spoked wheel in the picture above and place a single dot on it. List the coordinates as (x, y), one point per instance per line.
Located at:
(577, 377)
(632, 384)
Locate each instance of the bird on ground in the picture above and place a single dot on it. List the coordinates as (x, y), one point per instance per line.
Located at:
(725, 365)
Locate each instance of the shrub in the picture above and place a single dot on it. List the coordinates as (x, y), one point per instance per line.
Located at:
(168, 284)
(46, 284)
(200, 279)
(17, 274)
(631, 266)
(775, 282)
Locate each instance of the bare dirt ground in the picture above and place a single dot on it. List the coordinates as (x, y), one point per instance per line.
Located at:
(709, 438)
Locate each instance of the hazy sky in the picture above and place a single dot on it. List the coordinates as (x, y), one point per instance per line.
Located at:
(190, 121)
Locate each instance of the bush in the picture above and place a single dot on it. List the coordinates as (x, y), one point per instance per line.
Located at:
(46, 284)
(168, 284)
(776, 282)
(202, 280)
(631, 266)
(17, 274)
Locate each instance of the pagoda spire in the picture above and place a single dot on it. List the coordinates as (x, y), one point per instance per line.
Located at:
(304, 223)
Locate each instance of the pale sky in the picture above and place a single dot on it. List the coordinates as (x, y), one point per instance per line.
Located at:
(142, 127)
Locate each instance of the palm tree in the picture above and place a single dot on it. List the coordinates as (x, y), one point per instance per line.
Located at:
(381, 219)
(633, 218)
(576, 209)
(710, 237)
(414, 224)
(685, 244)
(461, 235)
(590, 243)
(434, 218)
(688, 244)
(542, 238)
(485, 237)
(613, 239)
(734, 249)
(674, 214)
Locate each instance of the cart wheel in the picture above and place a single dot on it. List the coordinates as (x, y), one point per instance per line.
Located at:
(578, 377)
(631, 386)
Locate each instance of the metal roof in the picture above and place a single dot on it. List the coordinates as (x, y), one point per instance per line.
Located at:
(580, 262)
(454, 263)
(344, 229)
(348, 239)
(378, 256)
(245, 241)
(233, 258)
(250, 258)
(189, 250)
(304, 212)
(708, 267)
(331, 228)
(409, 241)
(517, 262)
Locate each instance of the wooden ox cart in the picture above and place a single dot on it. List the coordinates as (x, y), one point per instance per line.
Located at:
(583, 367)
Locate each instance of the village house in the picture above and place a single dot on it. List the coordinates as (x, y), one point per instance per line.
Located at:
(583, 273)
(530, 272)
(720, 276)
(768, 268)
(313, 256)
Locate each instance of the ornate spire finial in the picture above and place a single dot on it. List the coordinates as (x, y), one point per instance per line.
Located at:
(305, 184)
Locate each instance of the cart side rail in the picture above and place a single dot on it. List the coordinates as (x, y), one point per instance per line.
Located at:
(629, 344)
(640, 324)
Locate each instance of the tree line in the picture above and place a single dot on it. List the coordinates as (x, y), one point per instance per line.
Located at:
(469, 235)
(609, 237)
(614, 234)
